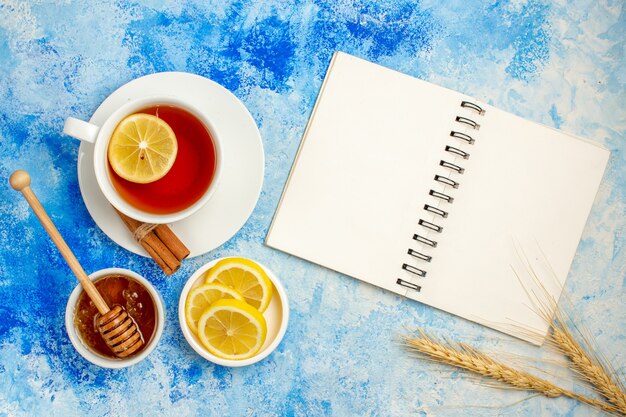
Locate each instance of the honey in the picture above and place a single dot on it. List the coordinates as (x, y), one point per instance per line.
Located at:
(116, 290)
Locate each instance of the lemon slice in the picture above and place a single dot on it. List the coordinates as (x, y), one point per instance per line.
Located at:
(200, 298)
(245, 277)
(142, 148)
(232, 329)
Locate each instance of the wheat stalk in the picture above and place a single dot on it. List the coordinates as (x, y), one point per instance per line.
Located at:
(470, 359)
(588, 366)
(584, 361)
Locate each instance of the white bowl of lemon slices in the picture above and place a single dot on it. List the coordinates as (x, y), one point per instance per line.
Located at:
(233, 311)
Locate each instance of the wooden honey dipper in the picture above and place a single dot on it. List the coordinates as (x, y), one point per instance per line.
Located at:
(117, 327)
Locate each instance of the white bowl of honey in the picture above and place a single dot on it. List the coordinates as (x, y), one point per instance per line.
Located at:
(118, 287)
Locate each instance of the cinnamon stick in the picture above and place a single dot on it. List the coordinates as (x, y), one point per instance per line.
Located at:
(164, 247)
(169, 238)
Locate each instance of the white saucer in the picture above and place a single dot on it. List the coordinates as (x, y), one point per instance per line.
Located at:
(243, 164)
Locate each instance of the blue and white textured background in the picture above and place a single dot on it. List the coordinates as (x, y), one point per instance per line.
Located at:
(559, 63)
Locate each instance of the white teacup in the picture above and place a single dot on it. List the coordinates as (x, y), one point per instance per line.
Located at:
(100, 136)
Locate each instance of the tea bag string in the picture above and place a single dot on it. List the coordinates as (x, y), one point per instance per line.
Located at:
(142, 231)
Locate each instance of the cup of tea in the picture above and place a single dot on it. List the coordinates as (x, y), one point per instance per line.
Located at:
(118, 287)
(189, 183)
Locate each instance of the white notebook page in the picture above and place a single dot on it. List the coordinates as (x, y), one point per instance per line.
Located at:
(524, 197)
(362, 175)
(361, 172)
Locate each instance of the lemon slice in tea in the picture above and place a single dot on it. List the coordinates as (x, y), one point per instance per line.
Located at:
(142, 148)
(232, 329)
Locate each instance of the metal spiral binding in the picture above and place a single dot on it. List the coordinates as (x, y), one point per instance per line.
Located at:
(473, 106)
(420, 255)
(414, 270)
(431, 226)
(463, 136)
(435, 210)
(452, 166)
(457, 151)
(446, 181)
(425, 240)
(441, 196)
(408, 284)
(468, 122)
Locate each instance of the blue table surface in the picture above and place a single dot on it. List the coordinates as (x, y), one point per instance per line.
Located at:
(557, 63)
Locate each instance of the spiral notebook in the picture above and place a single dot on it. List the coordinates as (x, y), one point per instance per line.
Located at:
(437, 196)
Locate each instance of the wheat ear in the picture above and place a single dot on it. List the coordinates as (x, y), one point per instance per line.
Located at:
(470, 359)
(584, 360)
(587, 366)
